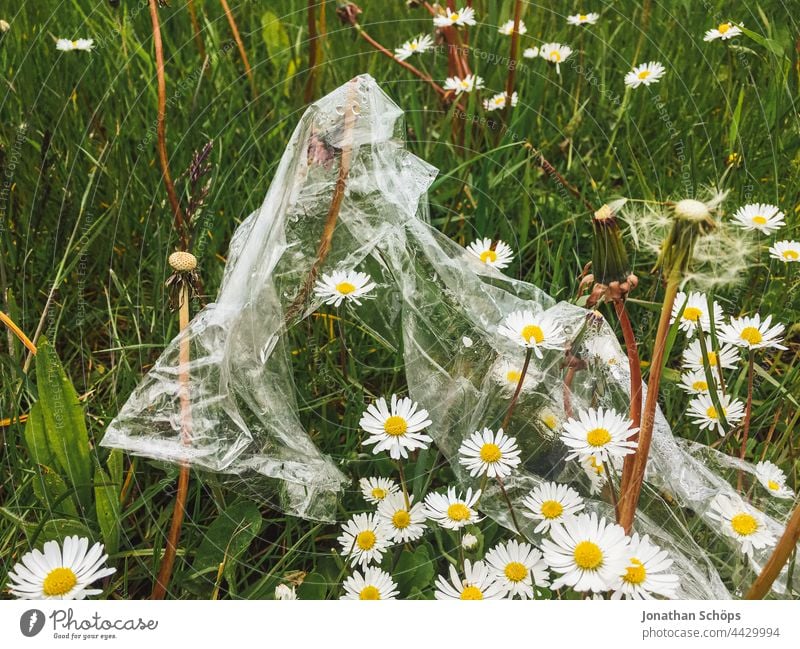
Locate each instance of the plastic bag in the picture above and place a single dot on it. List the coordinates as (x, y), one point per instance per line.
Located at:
(244, 413)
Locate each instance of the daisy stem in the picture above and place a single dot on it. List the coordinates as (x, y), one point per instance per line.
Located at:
(515, 398)
(611, 489)
(342, 347)
(748, 411)
(403, 484)
(712, 391)
(780, 555)
(461, 549)
(510, 507)
(630, 490)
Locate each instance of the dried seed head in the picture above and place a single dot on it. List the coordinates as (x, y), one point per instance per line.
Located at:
(692, 210)
(609, 257)
(182, 262)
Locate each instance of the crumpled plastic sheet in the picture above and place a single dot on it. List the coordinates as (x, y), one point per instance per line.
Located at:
(244, 412)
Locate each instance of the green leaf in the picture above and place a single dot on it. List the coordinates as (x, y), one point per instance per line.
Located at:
(229, 536)
(64, 424)
(772, 45)
(60, 528)
(314, 586)
(114, 466)
(51, 490)
(414, 569)
(107, 507)
(36, 438)
(275, 37)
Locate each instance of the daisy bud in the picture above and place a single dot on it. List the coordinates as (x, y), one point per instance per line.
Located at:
(4, 26)
(469, 542)
(182, 262)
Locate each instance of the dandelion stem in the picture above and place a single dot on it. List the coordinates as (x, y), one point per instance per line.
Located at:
(612, 492)
(635, 369)
(198, 39)
(748, 411)
(314, 47)
(780, 555)
(178, 513)
(515, 398)
(630, 490)
(239, 44)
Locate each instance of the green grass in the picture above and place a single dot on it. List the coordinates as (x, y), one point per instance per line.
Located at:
(85, 216)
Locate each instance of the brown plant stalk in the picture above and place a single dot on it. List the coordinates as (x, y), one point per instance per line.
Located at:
(635, 369)
(181, 227)
(198, 38)
(780, 555)
(12, 326)
(315, 36)
(512, 64)
(239, 44)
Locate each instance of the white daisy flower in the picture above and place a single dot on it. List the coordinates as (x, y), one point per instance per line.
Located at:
(462, 17)
(551, 503)
(536, 332)
(284, 592)
(507, 374)
(530, 52)
(497, 255)
(478, 583)
(727, 357)
(405, 523)
(343, 285)
(81, 44)
(469, 542)
(601, 433)
(724, 31)
(517, 567)
(596, 473)
(418, 45)
(695, 382)
(583, 19)
(60, 572)
(507, 28)
(396, 430)
(645, 74)
(498, 102)
(645, 574)
(760, 216)
(467, 84)
(785, 250)
(704, 414)
(750, 332)
(605, 350)
(773, 480)
(741, 522)
(364, 539)
(376, 490)
(450, 510)
(467, 341)
(555, 53)
(548, 417)
(489, 453)
(589, 553)
(695, 312)
(373, 584)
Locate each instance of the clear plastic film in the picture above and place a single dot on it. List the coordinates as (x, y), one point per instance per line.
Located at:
(350, 147)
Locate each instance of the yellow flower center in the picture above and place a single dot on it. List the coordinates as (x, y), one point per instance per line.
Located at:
(744, 524)
(700, 386)
(395, 426)
(532, 331)
(712, 413)
(583, 17)
(751, 335)
(59, 582)
(412, 46)
(598, 437)
(369, 592)
(401, 519)
(723, 28)
(759, 220)
(712, 358)
(454, 17)
(512, 376)
(597, 466)
(471, 592)
(491, 453)
(588, 555)
(692, 313)
(791, 254)
(515, 571)
(366, 539)
(555, 56)
(644, 74)
(345, 288)
(635, 573)
(378, 493)
(550, 421)
(458, 512)
(552, 509)
(774, 486)
(489, 256)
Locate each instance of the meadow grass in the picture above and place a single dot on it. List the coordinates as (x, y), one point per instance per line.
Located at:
(86, 229)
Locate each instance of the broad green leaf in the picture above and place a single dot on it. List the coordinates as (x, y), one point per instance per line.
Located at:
(107, 507)
(51, 490)
(275, 37)
(229, 536)
(60, 528)
(36, 438)
(114, 466)
(64, 424)
(314, 586)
